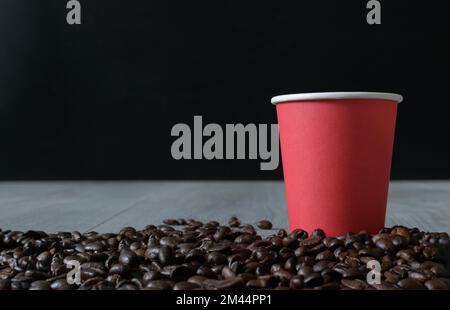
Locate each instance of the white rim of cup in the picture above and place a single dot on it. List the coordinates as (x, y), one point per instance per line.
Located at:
(335, 96)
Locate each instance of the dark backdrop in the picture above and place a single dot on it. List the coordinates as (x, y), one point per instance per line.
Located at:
(98, 100)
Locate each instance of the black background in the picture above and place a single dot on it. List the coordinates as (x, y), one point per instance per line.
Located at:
(98, 100)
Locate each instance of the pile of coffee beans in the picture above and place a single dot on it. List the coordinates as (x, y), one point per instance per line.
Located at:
(188, 254)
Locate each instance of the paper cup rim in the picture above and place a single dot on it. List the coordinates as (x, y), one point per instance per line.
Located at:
(335, 96)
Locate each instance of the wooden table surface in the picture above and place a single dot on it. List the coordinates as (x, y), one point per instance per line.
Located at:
(109, 206)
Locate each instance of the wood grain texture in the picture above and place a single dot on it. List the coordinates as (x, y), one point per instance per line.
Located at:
(109, 206)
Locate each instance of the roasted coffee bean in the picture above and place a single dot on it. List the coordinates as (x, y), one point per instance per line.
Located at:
(232, 283)
(219, 247)
(386, 245)
(246, 276)
(171, 222)
(245, 238)
(165, 255)
(227, 273)
(44, 258)
(374, 252)
(119, 269)
(60, 284)
(5, 284)
(234, 222)
(184, 285)
(257, 283)
(210, 256)
(355, 284)
(160, 285)
(248, 229)
(401, 231)
(298, 234)
(216, 258)
(321, 265)
(318, 233)
(128, 258)
(436, 284)
(332, 243)
(325, 255)
(283, 275)
(418, 276)
(40, 285)
(313, 279)
(410, 284)
(311, 241)
(297, 283)
(177, 272)
(399, 242)
(169, 241)
(207, 272)
(94, 246)
(197, 280)
(264, 224)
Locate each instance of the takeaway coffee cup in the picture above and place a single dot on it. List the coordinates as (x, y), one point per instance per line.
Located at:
(336, 151)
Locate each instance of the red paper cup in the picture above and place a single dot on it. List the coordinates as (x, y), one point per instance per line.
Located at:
(336, 151)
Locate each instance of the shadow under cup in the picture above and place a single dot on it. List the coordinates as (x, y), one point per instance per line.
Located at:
(336, 153)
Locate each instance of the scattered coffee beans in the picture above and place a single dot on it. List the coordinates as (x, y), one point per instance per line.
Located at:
(208, 255)
(264, 224)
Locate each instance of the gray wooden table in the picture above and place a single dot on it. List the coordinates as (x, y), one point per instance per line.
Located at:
(109, 206)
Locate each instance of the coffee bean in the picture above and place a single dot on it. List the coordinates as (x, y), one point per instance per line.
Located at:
(60, 284)
(94, 246)
(418, 276)
(40, 285)
(283, 275)
(374, 252)
(318, 233)
(197, 280)
(119, 269)
(207, 272)
(311, 241)
(171, 222)
(234, 222)
(177, 272)
(355, 284)
(313, 279)
(44, 258)
(386, 245)
(165, 255)
(298, 234)
(184, 285)
(219, 247)
(384, 286)
(436, 284)
(264, 224)
(227, 273)
(210, 256)
(232, 283)
(325, 255)
(257, 283)
(328, 286)
(410, 284)
(5, 284)
(401, 231)
(128, 258)
(332, 243)
(160, 285)
(297, 283)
